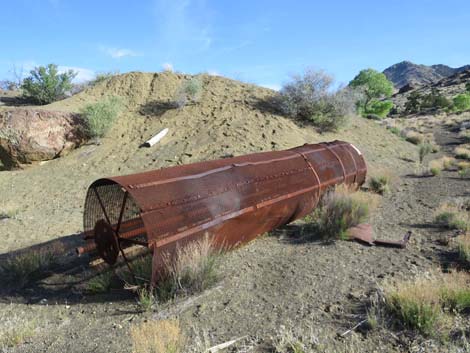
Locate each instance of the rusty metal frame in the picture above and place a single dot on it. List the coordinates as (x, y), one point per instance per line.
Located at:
(232, 200)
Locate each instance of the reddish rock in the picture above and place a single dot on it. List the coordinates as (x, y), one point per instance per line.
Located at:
(28, 135)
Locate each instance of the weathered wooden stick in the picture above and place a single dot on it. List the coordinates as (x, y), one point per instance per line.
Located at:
(224, 345)
(156, 138)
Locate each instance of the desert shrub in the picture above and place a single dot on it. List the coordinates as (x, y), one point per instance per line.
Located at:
(435, 171)
(46, 85)
(464, 173)
(417, 102)
(193, 269)
(310, 97)
(338, 211)
(413, 306)
(463, 165)
(452, 215)
(380, 184)
(423, 150)
(422, 303)
(435, 100)
(414, 137)
(413, 103)
(100, 116)
(100, 283)
(462, 152)
(23, 268)
(189, 91)
(146, 298)
(163, 336)
(463, 244)
(464, 135)
(101, 77)
(461, 102)
(454, 291)
(444, 163)
(394, 130)
(467, 87)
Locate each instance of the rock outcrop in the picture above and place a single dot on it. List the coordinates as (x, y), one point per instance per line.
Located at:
(28, 135)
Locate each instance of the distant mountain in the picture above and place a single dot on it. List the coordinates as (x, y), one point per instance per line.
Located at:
(407, 73)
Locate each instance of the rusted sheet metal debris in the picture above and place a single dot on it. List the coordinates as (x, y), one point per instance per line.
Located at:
(364, 234)
(232, 200)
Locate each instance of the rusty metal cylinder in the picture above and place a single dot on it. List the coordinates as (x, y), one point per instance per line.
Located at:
(232, 200)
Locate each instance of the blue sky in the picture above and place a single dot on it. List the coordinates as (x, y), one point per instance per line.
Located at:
(262, 42)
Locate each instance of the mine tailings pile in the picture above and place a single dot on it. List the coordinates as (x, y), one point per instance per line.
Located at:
(229, 200)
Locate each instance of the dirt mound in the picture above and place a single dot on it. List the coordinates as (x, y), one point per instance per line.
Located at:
(230, 118)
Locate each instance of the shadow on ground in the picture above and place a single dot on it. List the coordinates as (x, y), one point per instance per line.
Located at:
(62, 281)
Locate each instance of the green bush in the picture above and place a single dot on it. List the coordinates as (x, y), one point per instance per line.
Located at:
(450, 220)
(417, 102)
(380, 108)
(414, 314)
(423, 150)
(310, 98)
(413, 103)
(100, 116)
(46, 84)
(461, 102)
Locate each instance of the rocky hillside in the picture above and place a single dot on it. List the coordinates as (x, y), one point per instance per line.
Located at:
(408, 73)
(448, 87)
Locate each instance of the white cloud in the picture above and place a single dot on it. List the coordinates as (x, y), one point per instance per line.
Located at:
(82, 73)
(183, 26)
(213, 73)
(118, 53)
(168, 67)
(273, 86)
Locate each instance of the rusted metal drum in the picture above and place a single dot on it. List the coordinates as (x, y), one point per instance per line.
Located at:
(232, 200)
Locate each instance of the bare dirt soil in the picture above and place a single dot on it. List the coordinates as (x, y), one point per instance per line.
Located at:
(277, 283)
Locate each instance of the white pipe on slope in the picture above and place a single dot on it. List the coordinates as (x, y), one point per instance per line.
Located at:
(156, 138)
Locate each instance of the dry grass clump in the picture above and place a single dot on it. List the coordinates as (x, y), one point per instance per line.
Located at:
(20, 269)
(453, 215)
(464, 173)
(193, 269)
(463, 245)
(163, 336)
(436, 166)
(100, 283)
(422, 304)
(423, 150)
(414, 137)
(462, 165)
(380, 184)
(462, 152)
(340, 210)
(15, 331)
(464, 135)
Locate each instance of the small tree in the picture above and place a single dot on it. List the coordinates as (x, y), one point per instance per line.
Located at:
(375, 87)
(46, 84)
